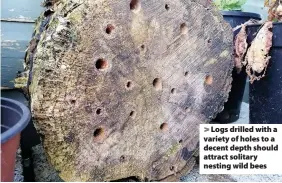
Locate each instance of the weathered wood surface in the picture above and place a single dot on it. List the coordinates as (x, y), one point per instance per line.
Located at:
(118, 88)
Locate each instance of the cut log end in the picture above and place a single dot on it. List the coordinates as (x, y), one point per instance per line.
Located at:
(131, 81)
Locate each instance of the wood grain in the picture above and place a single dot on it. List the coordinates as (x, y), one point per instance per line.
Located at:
(119, 88)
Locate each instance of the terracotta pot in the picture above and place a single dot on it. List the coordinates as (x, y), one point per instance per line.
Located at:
(14, 118)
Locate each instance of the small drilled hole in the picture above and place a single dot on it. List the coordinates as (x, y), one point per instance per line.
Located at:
(157, 83)
(180, 141)
(209, 41)
(129, 84)
(73, 101)
(135, 5)
(98, 111)
(172, 168)
(186, 74)
(132, 114)
(183, 28)
(173, 90)
(142, 46)
(109, 28)
(188, 109)
(99, 134)
(122, 158)
(164, 127)
(167, 7)
(208, 80)
(101, 64)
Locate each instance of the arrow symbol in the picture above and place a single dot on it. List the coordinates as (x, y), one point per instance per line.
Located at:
(206, 129)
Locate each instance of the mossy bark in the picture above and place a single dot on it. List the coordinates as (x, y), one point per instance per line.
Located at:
(119, 88)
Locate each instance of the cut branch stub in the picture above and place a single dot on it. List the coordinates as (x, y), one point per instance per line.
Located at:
(142, 78)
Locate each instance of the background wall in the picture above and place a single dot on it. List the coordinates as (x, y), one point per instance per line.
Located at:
(256, 6)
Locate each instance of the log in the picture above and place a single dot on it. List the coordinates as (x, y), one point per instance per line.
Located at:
(118, 88)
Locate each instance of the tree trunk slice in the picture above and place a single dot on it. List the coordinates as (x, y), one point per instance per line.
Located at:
(118, 88)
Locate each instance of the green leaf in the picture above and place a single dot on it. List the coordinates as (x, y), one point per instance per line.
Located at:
(229, 4)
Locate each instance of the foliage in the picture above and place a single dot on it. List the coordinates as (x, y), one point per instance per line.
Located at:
(275, 10)
(229, 4)
(269, 3)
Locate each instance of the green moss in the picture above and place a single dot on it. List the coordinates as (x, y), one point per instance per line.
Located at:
(54, 23)
(20, 82)
(225, 53)
(173, 150)
(75, 17)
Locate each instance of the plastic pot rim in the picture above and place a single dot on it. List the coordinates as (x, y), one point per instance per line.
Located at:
(241, 14)
(20, 125)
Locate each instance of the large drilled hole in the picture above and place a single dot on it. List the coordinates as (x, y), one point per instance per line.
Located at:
(164, 127)
(183, 28)
(132, 114)
(186, 74)
(135, 5)
(167, 7)
(99, 134)
(129, 84)
(101, 64)
(173, 90)
(109, 28)
(208, 80)
(157, 83)
(98, 111)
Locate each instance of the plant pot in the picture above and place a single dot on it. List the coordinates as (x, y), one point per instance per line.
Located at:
(266, 94)
(14, 118)
(232, 107)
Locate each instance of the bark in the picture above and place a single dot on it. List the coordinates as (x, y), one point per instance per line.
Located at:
(118, 88)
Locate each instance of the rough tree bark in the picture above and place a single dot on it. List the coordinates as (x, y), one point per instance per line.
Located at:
(118, 88)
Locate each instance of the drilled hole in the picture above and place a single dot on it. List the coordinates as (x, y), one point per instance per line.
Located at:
(188, 109)
(98, 111)
(101, 64)
(135, 5)
(209, 41)
(167, 7)
(122, 158)
(157, 83)
(99, 134)
(180, 141)
(129, 84)
(109, 28)
(142, 46)
(186, 74)
(172, 168)
(132, 114)
(183, 28)
(73, 101)
(208, 80)
(164, 127)
(173, 90)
